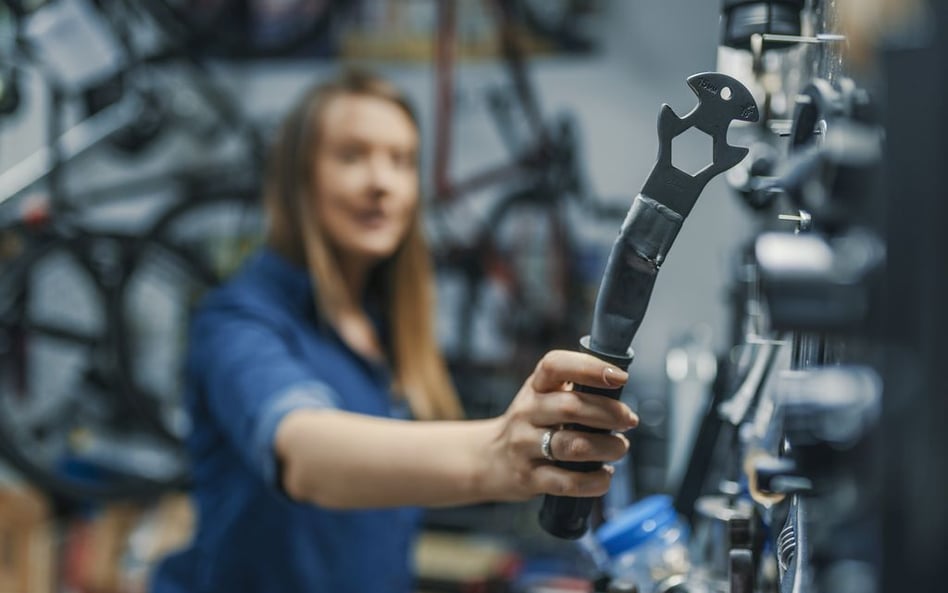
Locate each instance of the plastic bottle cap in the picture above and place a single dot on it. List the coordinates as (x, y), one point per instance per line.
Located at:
(637, 524)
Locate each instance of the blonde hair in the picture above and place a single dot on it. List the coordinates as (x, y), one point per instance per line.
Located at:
(406, 279)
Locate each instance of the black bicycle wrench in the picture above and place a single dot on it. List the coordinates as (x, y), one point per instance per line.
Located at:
(647, 234)
(721, 100)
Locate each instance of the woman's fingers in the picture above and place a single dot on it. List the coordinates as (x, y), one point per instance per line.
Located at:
(573, 407)
(548, 399)
(549, 479)
(559, 367)
(576, 445)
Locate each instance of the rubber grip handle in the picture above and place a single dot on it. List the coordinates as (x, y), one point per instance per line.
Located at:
(567, 517)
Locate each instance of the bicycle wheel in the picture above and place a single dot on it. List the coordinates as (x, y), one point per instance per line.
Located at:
(250, 28)
(516, 300)
(62, 422)
(530, 257)
(189, 250)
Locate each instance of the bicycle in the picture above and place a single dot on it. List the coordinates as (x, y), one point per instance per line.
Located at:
(65, 425)
(514, 267)
(115, 268)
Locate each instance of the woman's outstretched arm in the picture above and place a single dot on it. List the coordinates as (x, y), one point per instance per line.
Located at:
(338, 459)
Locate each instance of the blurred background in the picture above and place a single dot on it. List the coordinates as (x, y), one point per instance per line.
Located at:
(132, 137)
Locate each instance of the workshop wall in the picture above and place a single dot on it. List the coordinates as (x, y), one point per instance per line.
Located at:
(648, 48)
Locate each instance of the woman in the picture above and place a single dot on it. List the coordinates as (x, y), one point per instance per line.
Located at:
(304, 368)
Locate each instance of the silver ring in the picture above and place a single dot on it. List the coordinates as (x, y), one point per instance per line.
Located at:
(546, 444)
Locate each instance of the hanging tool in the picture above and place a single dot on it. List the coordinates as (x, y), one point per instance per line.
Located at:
(647, 234)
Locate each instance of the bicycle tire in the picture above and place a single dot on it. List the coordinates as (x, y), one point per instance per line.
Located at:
(227, 29)
(82, 448)
(517, 298)
(529, 231)
(189, 250)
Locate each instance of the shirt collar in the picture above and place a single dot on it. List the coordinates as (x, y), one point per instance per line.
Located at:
(291, 278)
(295, 282)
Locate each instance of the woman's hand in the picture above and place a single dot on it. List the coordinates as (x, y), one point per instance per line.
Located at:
(516, 468)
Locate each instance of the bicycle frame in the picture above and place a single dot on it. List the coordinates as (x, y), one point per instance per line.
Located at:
(537, 150)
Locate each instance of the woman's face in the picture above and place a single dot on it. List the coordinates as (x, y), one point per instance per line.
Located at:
(366, 177)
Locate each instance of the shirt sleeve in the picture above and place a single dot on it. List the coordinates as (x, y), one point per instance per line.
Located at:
(245, 368)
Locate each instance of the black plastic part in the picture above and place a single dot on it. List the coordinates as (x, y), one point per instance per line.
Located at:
(752, 183)
(768, 472)
(10, 91)
(741, 571)
(567, 517)
(742, 19)
(836, 148)
(832, 295)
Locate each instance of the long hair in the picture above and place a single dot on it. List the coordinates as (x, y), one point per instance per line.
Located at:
(406, 280)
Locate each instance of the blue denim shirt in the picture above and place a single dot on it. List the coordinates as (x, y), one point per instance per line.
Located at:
(257, 353)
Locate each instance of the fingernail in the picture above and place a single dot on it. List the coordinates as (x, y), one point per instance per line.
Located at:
(633, 419)
(609, 468)
(614, 377)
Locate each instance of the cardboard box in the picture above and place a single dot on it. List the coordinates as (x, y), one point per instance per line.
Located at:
(460, 563)
(27, 542)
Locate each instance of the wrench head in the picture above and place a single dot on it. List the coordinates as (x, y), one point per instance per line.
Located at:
(721, 99)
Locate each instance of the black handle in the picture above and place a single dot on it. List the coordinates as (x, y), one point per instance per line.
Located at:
(567, 516)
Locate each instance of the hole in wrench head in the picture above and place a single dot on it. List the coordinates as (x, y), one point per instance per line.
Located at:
(692, 151)
(726, 93)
